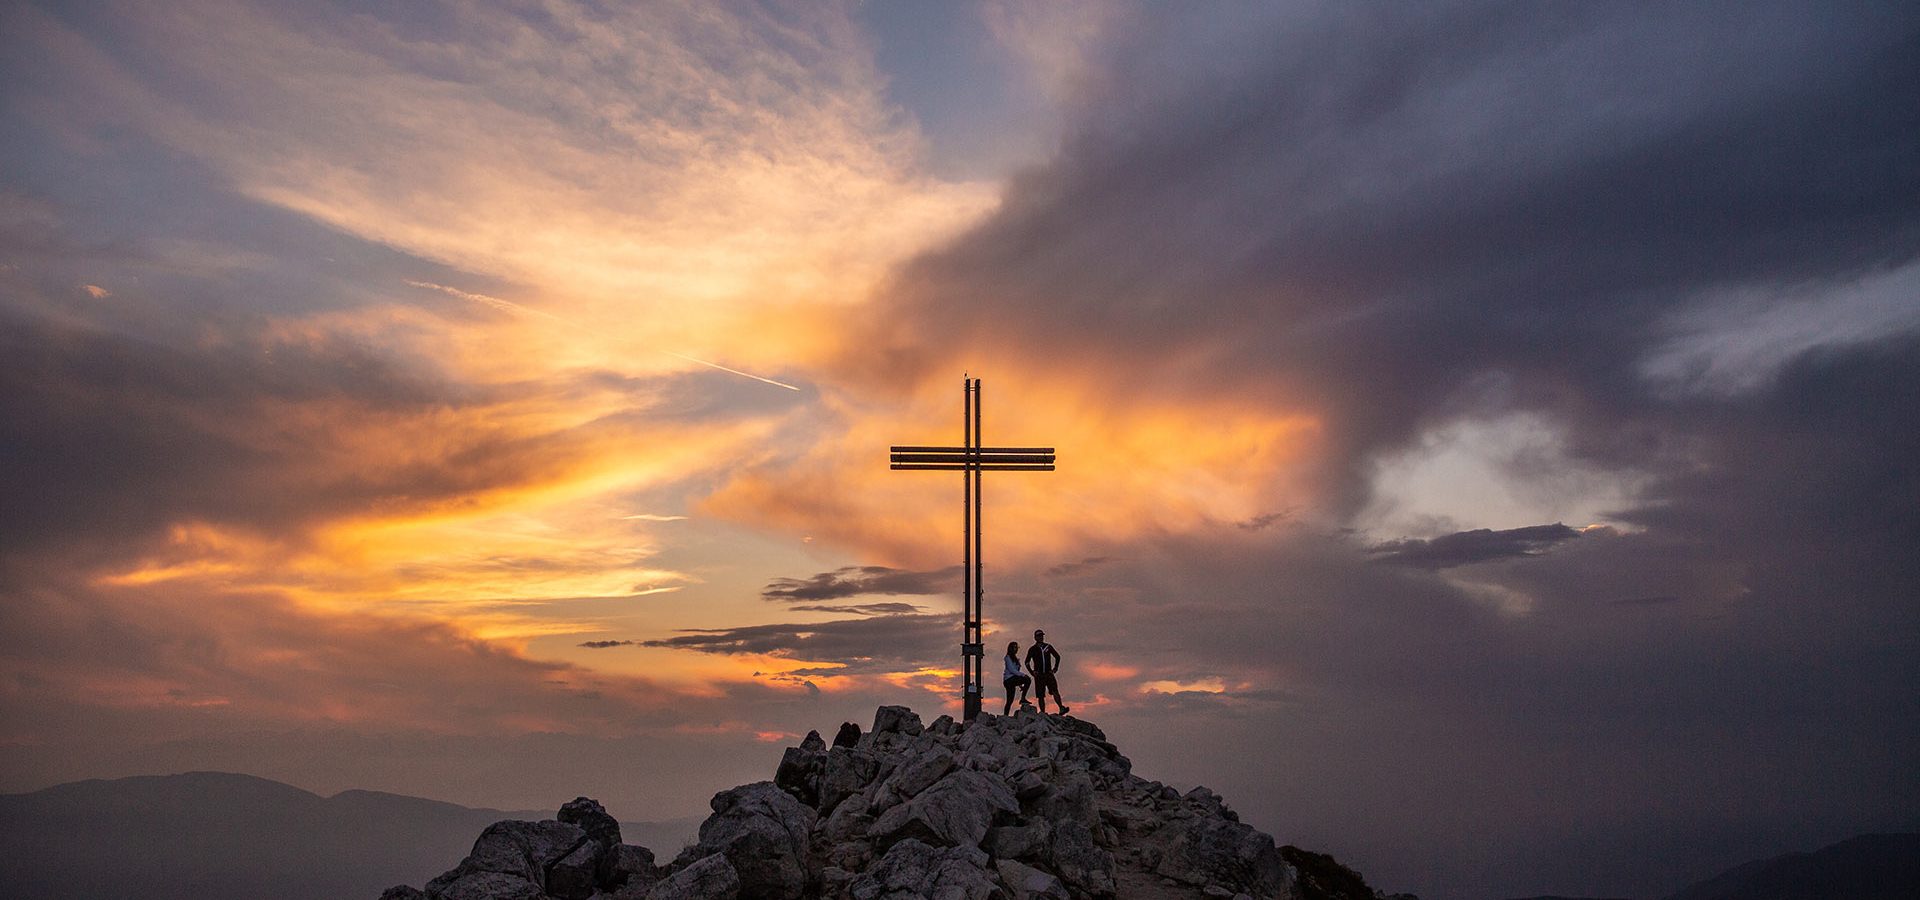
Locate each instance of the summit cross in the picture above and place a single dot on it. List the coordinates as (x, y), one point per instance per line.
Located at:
(973, 461)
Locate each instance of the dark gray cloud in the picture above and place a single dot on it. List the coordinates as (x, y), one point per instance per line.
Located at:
(124, 435)
(1479, 545)
(1395, 216)
(854, 581)
(862, 609)
(1262, 521)
(1074, 568)
(872, 644)
(602, 645)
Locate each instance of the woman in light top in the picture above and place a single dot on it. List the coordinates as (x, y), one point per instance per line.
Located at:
(1013, 677)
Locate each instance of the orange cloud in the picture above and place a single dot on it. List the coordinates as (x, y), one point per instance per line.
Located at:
(1155, 463)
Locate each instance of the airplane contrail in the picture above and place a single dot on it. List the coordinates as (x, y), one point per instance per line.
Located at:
(495, 302)
(512, 307)
(722, 368)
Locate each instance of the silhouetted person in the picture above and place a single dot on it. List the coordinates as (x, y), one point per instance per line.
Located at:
(1012, 678)
(1043, 661)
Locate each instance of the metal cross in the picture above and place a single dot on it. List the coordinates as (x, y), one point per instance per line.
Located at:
(973, 460)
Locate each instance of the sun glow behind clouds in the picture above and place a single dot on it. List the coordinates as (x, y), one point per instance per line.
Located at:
(582, 244)
(623, 197)
(1125, 468)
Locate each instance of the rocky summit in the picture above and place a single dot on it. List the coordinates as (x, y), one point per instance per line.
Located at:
(1002, 808)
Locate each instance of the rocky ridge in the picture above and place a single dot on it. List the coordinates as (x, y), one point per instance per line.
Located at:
(1018, 807)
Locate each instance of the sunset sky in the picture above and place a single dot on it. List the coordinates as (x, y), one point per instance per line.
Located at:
(1487, 434)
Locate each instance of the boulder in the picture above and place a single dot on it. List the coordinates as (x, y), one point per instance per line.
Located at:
(1017, 841)
(799, 773)
(845, 771)
(592, 818)
(914, 776)
(1024, 882)
(1213, 850)
(912, 868)
(403, 892)
(710, 878)
(521, 850)
(812, 742)
(849, 735)
(486, 886)
(956, 811)
(1080, 861)
(766, 835)
(1067, 798)
(578, 875)
(896, 720)
(634, 872)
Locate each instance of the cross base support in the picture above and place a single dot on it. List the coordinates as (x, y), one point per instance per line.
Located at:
(970, 703)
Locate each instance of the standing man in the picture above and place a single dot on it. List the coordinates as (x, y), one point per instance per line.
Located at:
(1043, 661)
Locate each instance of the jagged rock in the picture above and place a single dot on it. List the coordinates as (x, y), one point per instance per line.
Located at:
(1017, 841)
(896, 719)
(912, 868)
(956, 811)
(1320, 877)
(592, 818)
(766, 835)
(520, 850)
(634, 872)
(812, 742)
(1025, 882)
(487, 886)
(710, 878)
(910, 779)
(799, 772)
(403, 892)
(1079, 862)
(845, 772)
(849, 735)
(1209, 850)
(578, 875)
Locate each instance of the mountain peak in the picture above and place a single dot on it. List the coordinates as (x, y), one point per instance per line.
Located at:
(1014, 807)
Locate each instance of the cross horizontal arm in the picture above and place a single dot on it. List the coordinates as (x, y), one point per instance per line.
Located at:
(988, 451)
(964, 457)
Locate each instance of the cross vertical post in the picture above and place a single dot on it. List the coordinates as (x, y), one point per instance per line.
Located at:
(973, 460)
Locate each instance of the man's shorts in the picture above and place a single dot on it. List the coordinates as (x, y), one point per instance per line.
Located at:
(1044, 685)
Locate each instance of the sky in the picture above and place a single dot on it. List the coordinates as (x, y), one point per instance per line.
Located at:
(1485, 430)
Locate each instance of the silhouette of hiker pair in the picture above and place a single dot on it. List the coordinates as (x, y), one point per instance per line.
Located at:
(1043, 661)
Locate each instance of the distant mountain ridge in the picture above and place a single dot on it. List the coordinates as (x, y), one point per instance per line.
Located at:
(211, 835)
(1868, 867)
